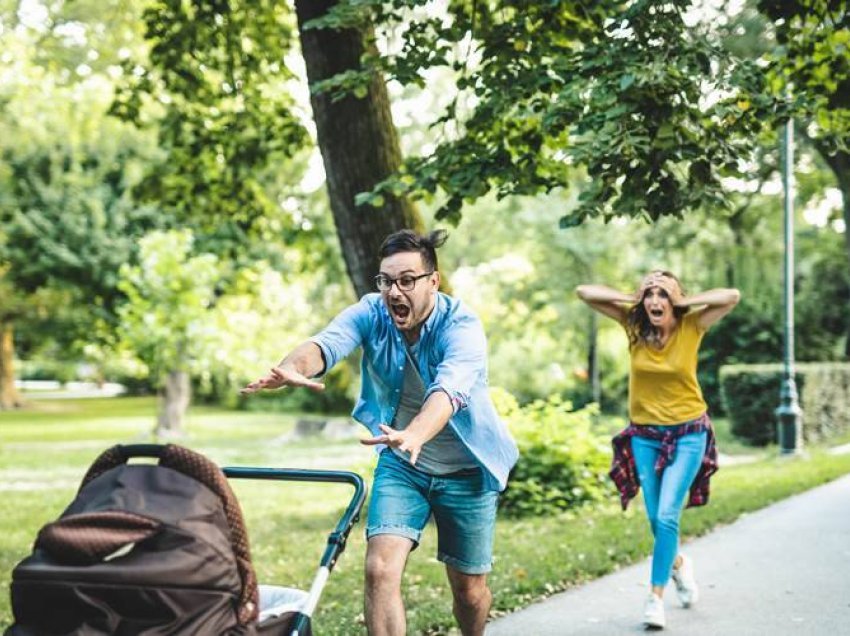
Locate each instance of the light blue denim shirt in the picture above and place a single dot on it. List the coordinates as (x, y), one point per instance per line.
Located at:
(452, 359)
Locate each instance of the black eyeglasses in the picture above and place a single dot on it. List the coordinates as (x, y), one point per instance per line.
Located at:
(404, 283)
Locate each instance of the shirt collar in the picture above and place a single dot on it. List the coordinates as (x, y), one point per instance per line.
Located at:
(432, 318)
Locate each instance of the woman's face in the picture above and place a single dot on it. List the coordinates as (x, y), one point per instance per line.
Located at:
(661, 293)
(656, 302)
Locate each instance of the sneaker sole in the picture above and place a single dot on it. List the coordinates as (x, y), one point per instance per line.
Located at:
(689, 600)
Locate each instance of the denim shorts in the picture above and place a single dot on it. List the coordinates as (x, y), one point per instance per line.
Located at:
(404, 498)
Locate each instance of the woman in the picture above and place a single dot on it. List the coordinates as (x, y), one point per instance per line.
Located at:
(668, 448)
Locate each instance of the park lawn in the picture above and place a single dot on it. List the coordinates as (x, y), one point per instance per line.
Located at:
(45, 451)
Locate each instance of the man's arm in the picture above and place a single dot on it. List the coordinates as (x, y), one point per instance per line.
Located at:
(294, 370)
(320, 353)
(431, 419)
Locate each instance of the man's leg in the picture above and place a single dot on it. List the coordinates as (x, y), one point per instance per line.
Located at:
(465, 513)
(472, 600)
(386, 556)
(398, 511)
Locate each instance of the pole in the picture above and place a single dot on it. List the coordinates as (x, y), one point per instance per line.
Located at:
(789, 414)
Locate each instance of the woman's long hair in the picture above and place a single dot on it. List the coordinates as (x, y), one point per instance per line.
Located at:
(638, 326)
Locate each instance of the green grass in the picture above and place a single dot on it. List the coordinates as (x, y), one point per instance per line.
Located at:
(45, 451)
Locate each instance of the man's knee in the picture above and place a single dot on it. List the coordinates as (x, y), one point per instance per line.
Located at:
(385, 562)
(470, 590)
(380, 570)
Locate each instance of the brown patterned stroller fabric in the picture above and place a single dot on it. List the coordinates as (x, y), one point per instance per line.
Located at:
(144, 549)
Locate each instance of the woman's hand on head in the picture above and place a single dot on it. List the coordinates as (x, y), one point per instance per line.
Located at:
(649, 281)
(669, 285)
(674, 291)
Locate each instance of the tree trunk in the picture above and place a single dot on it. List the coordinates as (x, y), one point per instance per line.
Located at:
(359, 145)
(593, 359)
(9, 396)
(174, 400)
(839, 162)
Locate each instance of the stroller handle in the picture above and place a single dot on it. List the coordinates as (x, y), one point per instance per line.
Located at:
(337, 538)
(140, 450)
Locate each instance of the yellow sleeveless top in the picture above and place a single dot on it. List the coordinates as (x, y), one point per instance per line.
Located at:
(663, 386)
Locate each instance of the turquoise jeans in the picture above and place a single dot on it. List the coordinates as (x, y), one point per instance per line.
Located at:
(664, 494)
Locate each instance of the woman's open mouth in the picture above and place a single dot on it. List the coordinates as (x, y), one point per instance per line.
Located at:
(656, 313)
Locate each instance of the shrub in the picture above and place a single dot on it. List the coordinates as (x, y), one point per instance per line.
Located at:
(751, 395)
(563, 461)
(61, 371)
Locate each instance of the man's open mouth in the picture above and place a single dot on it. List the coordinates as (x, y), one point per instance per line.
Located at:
(400, 311)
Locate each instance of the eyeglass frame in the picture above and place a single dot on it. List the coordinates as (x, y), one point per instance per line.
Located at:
(397, 283)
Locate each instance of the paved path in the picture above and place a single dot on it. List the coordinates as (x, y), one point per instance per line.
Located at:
(52, 390)
(782, 570)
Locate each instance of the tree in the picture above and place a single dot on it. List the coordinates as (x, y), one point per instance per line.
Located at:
(220, 69)
(357, 138)
(518, 272)
(70, 221)
(822, 323)
(810, 69)
(11, 310)
(214, 87)
(616, 90)
(66, 171)
(68, 226)
(651, 105)
(166, 319)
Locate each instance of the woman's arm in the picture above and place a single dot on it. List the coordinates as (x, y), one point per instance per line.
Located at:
(718, 303)
(607, 301)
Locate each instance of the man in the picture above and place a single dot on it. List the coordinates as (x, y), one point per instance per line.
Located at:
(424, 398)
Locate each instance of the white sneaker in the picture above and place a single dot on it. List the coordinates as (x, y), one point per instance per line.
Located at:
(653, 612)
(686, 585)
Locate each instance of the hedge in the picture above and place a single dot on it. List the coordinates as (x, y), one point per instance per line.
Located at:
(750, 394)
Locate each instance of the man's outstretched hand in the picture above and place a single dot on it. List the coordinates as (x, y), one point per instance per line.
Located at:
(403, 440)
(280, 377)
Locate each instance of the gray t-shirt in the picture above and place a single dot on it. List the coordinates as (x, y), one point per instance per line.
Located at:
(442, 454)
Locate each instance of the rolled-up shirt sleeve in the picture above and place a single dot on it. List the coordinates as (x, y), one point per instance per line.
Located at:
(464, 360)
(344, 334)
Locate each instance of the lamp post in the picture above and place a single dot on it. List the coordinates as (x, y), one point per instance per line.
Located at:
(789, 414)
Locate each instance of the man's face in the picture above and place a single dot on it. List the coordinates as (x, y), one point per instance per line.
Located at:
(409, 308)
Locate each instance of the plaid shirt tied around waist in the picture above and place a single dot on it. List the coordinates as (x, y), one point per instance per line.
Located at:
(624, 472)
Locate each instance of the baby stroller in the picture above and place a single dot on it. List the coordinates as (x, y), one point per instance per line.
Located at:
(161, 549)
